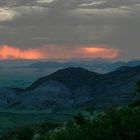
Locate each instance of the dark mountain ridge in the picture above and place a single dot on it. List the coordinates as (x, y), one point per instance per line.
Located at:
(71, 77)
(115, 87)
(72, 87)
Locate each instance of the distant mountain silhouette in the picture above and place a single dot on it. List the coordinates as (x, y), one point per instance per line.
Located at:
(98, 65)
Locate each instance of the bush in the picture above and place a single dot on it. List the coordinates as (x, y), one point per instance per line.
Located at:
(79, 119)
(25, 133)
(113, 124)
(135, 104)
(138, 87)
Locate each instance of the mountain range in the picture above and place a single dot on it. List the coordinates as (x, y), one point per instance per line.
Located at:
(98, 65)
(74, 87)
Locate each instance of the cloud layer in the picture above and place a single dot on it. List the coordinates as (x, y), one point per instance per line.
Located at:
(28, 24)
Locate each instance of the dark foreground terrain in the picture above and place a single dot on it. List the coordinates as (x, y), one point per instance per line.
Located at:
(112, 124)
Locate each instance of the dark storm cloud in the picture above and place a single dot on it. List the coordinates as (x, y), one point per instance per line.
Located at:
(68, 22)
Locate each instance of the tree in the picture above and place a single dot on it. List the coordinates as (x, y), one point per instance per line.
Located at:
(79, 119)
(90, 110)
(25, 133)
(138, 87)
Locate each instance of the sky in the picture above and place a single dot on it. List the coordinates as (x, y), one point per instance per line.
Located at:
(65, 29)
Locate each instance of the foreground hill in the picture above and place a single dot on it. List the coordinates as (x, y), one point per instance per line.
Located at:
(71, 77)
(75, 87)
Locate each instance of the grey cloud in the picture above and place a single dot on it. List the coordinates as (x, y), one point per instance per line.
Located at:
(103, 4)
(126, 36)
(15, 3)
(70, 4)
(71, 22)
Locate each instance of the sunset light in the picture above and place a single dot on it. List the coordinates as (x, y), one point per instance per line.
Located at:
(103, 52)
(55, 52)
(9, 52)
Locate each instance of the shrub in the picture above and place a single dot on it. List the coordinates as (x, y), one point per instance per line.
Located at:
(138, 87)
(135, 104)
(25, 133)
(79, 119)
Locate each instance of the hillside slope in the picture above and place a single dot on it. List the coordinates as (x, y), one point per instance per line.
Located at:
(73, 87)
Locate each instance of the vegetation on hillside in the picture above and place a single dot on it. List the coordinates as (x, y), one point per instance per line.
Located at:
(112, 124)
(137, 92)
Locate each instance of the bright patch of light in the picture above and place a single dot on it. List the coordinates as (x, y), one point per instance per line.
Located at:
(93, 3)
(6, 14)
(44, 1)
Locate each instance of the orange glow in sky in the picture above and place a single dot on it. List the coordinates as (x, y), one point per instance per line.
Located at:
(103, 52)
(9, 52)
(56, 51)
